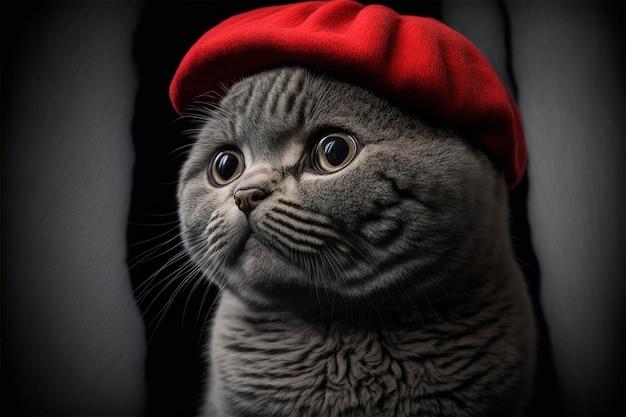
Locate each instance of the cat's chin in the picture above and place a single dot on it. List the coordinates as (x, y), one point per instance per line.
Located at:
(262, 278)
(262, 268)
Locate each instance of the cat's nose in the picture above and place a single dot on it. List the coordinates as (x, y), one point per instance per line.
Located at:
(249, 198)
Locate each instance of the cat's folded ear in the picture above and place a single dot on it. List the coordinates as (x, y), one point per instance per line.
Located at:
(419, 63)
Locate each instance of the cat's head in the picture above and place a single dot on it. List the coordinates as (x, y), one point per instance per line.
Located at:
(304, 191)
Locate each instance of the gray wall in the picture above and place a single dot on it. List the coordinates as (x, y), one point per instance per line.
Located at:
(568, 63)
(72, 336)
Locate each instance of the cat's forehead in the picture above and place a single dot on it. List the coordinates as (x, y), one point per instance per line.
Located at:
(292, 107)
(262, 111)
(274, 104)
(283, 98)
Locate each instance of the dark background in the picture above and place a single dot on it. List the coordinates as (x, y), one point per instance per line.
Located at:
(90, 153)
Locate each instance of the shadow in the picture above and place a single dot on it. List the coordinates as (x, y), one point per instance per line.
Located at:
(547, 394)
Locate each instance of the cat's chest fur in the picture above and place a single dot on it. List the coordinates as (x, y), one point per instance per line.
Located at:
(286, 366)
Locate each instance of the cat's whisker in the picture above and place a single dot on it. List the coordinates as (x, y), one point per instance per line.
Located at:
(324, 271)
(150, 285)
(187, 272)
(315, 275)
(187, 269)
(166, 214)
(362, 257)
(338, 268)
(181, 254)
(187, 278)
(150, 280)
(154, 225)
(197, 274)
(144, 288)
(183, 150)
(155, 252)
(207, 290)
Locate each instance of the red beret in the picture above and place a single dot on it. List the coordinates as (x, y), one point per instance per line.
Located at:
(420, 63)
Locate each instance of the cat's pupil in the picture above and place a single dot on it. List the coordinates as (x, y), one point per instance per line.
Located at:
(333, 152)
(336, 150)
(226, 165)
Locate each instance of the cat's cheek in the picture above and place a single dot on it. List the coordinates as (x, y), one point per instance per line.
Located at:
(345, 197)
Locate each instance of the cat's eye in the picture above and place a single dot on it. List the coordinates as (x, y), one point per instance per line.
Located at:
(226, 166)
(334, 152)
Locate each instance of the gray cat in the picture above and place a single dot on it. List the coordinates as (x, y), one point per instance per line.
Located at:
(363, 257)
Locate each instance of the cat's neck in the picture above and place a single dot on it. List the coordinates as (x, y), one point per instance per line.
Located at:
(440, 303)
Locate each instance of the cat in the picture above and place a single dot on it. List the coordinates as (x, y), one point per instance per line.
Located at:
(363, 257)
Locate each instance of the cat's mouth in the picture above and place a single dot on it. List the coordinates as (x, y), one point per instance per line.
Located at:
(311, 280)
(302, 238)
(299, 259)
(293, 255)
(309, 253)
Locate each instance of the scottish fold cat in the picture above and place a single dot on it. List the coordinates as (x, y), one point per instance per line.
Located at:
(363, 257)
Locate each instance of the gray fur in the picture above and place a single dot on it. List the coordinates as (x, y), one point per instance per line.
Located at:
(388, 288)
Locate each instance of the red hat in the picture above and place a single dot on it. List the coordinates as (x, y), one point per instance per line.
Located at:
(420, 63)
